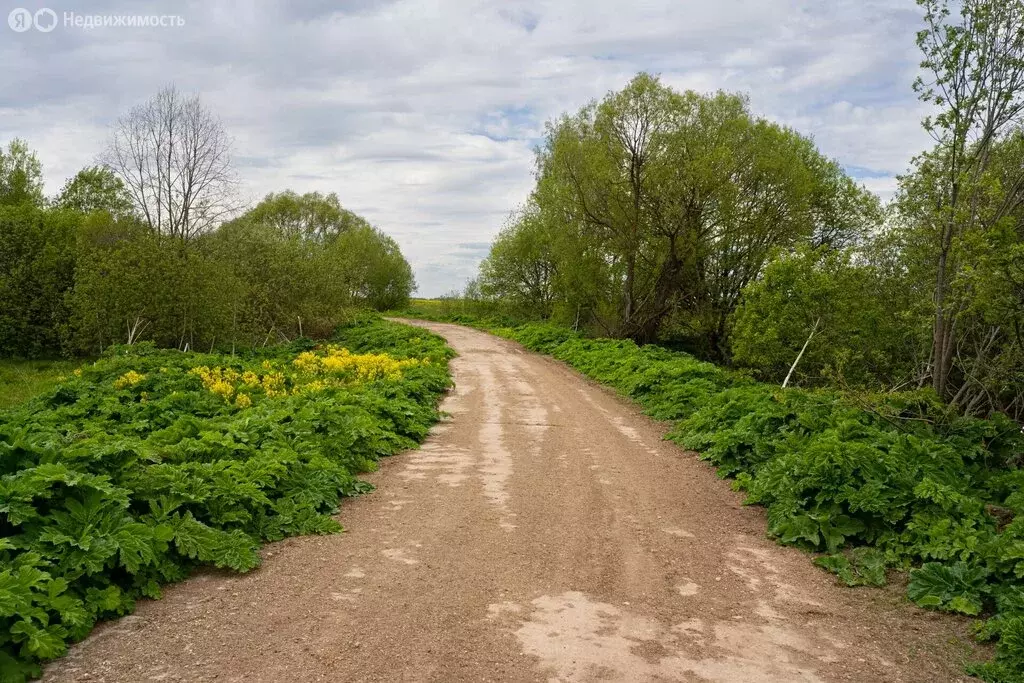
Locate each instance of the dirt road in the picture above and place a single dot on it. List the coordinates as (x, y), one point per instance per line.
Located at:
(544, 532)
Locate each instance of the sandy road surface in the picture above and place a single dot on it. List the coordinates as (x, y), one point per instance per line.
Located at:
(543, 532)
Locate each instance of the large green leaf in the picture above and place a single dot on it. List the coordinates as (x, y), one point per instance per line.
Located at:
(956, 587)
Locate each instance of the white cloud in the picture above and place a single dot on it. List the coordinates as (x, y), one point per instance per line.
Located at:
(422, 114)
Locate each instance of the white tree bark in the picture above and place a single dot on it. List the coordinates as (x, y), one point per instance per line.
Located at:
(800, 355)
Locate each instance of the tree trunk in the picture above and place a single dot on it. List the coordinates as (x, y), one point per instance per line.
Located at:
(939, 371)
(942, 329)
(627, 292)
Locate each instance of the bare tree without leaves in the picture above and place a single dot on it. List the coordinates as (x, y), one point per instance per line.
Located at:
(175, 158)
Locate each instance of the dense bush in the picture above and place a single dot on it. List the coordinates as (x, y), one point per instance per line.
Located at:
(868, 319)
(873, 482)
(88, 268)
(151, 462)
(37, 264)
(271, 275)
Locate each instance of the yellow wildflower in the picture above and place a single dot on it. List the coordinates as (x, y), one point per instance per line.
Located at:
(217, 380)
(307, 361)
(310, 387)
(243, 401)
(128, 379)
(358, 367)
(273, 384)
(222, 388)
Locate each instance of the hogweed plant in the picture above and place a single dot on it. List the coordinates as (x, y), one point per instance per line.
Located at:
(150, 463)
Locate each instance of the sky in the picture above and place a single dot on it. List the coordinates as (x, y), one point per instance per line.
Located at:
(423, 115)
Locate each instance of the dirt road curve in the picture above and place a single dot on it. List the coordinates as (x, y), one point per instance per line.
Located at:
(544, 532)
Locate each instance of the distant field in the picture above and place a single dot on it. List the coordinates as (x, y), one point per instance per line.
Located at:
(23, 379)
(429, 308)
(431, 305)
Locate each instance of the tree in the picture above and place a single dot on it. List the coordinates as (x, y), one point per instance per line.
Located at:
(842, 308)
(362, 261)
(174, 157)
(95, 188)
(310, 216)
(305, 263)
(21, 175)
(132, 284)
(976, 83)
(675, 201)
(389, 279)
(520, 268)
(983, 310)
(37, 262)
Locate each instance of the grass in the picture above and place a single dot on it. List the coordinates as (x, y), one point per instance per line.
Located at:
(21, 380)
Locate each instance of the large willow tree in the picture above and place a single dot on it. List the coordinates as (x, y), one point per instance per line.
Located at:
(655, 205)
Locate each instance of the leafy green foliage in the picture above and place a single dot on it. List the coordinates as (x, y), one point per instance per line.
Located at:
(292, 266)
(1009, 661)
(92, 267)
(36, 271)
(712, 191)
(21, 175)
(95, 188)
(858, 567)
(1008, 626)
(957, 587)
(859, 313)
(136, 470)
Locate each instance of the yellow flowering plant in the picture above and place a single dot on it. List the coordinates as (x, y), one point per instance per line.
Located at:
(128, 379)
(218, 380)
(339, 362)
(309, 371)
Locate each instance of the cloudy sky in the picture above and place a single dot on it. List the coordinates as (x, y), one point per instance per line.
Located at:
(423, 114)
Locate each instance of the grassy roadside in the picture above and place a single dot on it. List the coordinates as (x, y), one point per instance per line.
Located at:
(20, 380)
(870, 484)
(140, 467)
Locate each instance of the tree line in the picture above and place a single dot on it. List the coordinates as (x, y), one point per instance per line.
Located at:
(685, 219)
(151, 244)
